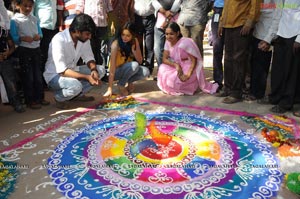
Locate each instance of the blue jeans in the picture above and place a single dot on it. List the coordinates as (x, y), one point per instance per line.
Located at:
(130, 72)
(159, 42)
(66, 88)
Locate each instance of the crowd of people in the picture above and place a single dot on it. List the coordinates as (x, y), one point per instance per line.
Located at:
(69, 45)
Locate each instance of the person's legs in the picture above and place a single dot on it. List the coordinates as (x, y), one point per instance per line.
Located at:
(65, 88)
(38, 93)
(26, 74)
(142, 73)
(240, 62)
(218, 46)
(129, 73)
(100, 35)
(159, 42)
(8, 75)
(291, 71)
(44, 45)
(126, 71)
(185, 31)
(228, 60)
(149, 23)
(197, 33)
(278, 74)
(260, 65)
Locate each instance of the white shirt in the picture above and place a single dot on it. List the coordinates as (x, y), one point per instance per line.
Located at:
(143, 8)
(175, 6)
(62, 54)
(4, 19)
(289, 25)
(267, 25)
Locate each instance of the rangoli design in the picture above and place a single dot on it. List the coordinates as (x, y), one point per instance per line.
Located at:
(164, 155)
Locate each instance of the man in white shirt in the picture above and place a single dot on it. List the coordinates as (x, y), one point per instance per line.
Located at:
(67, 80)
(264, 32)
(285, 73)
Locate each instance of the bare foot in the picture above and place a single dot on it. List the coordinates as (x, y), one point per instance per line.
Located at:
(123, 91)
(130, 88)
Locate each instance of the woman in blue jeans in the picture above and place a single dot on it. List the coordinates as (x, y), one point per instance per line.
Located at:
(125, 62)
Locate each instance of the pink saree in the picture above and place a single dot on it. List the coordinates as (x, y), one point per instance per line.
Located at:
(167, 79)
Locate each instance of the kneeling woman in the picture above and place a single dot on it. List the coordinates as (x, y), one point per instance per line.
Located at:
(125, 62)
(182, 69)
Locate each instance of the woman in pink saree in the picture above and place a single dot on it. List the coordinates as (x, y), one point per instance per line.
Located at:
(182, 69)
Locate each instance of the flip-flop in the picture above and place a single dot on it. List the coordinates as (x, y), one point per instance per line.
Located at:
(296, 113)
(278, 109)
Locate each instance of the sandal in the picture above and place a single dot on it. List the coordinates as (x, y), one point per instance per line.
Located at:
(278, 109)
(231, 100)
(296, 113)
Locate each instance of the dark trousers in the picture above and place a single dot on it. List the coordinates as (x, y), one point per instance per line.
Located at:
(235, 61)
(47, 37)
(99, 39)
(8, 75)
(31, 74)
(285, 73)
(145, 27)
(218, 46)
(260, 65)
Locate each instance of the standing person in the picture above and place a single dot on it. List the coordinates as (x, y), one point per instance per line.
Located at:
(26, 33)
(182, 69)
(193, 18)
(166, 11)
(123, 12)
(125, 62)
(66, 12)
(237, 21)
(144, 22)
(4, 20)
(261, 55)
(217, 43)
(7, 72)
(98, 10)
(46, 13)
(286, 80)
(63, 76)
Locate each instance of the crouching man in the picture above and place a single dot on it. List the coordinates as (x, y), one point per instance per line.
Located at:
(63, 76)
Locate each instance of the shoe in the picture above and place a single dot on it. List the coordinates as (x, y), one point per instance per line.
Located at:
(84, 98)
(222, 94)
(62, 105)
(296, 113)
(250, 98)
(231, 100)
(34, 105)
(19, 108)
(278, 109)
(45, 103)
